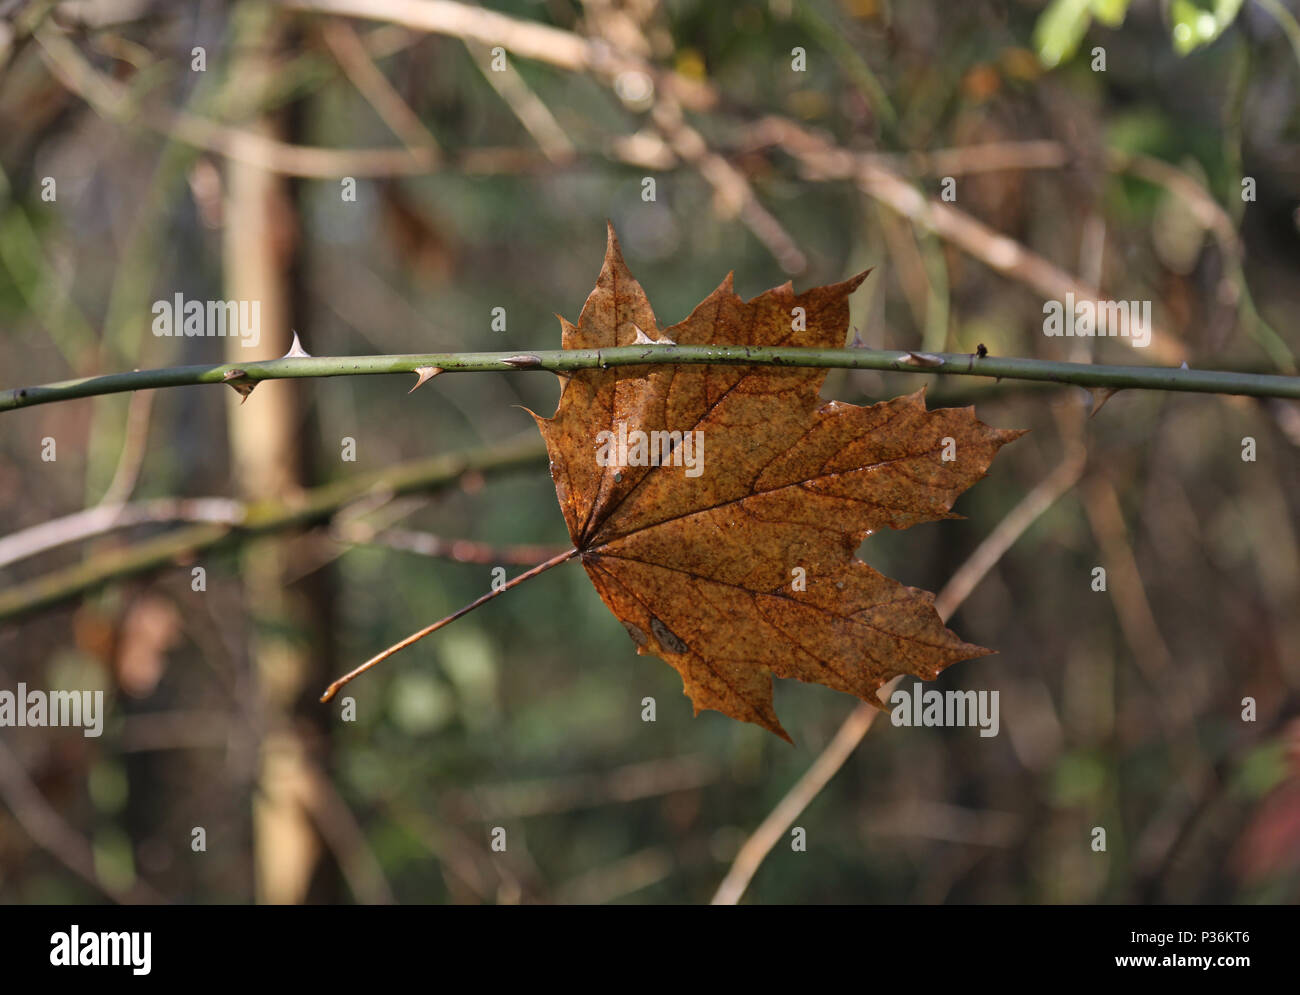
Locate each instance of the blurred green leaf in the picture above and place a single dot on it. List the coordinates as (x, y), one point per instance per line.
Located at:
(1263, 769)
(1196, 24)
(420, 703)
(114, 858)
(1060, 28)
(107, 784)
(1110, 12)
(469, 659)
(1079, 777)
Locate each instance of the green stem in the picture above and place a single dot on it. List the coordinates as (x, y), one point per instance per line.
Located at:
(566, 360)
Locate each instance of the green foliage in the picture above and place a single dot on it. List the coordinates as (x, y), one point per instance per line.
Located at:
(1193, 24)
(1196, 23)
(1063, 24)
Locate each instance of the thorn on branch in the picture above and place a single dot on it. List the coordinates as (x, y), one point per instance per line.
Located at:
(1100, 395)
(425, 374)
(241, 383)
(921, 359)
(296, 351)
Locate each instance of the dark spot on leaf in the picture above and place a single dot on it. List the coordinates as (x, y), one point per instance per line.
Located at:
(667, 638)
(635, 632)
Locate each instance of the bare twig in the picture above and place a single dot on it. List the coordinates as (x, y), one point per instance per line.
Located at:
(114, 101)
(316, 506)
(104, 518)
(523, 38)
(773, 828)
(532, 113)
(621, 877)
(351, 53)
(1012, 527)
(823, 160)
(733, 193)
(135, 443)
(344, 836)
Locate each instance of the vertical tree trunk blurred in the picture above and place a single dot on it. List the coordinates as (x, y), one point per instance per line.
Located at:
(270, 450)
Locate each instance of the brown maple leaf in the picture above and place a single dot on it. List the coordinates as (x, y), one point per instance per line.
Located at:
(740, 565)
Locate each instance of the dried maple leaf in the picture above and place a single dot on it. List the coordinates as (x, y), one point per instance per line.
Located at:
(699, 562)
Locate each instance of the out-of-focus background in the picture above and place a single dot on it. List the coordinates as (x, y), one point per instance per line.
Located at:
(383, 175)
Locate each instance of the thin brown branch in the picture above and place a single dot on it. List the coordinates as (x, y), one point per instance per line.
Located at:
(733, 194)
(527, 39)
(315, 507)
(526, 105)
(135, 443)
(822, 160)
(351, 54)
(771, 830)
(344, 836)
(621, 877)
(105, 518)
(114, 101)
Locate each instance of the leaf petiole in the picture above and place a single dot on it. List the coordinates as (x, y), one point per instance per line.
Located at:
(415, 637)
